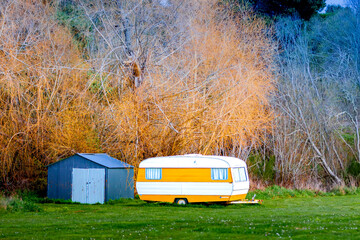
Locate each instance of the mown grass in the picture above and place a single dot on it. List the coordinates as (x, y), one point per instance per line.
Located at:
(325, 217)
(274, 192)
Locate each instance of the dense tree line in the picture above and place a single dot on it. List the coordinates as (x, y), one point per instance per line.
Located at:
(305, 9)
(319, 97)
(133, 79)
(138, 79)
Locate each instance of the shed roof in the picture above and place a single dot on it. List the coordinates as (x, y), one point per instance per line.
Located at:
(103, 159)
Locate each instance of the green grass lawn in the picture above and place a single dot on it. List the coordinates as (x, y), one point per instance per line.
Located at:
(336, 217)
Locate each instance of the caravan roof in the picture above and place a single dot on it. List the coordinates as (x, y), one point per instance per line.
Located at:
(192, 161)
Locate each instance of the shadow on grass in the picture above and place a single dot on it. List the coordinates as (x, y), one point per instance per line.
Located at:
(136, 202)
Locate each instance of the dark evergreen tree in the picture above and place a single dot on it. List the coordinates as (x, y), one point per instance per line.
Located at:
(305, 8)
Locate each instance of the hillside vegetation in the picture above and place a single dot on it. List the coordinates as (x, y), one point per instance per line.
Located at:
(155, 78)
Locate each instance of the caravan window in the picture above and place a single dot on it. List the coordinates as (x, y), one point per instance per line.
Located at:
(153, 173)
(219, 174)
(239, 174)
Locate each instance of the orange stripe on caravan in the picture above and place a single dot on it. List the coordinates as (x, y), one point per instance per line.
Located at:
(183, 175)
(193, 198)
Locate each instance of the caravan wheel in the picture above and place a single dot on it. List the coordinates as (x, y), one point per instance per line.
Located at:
(181, 201)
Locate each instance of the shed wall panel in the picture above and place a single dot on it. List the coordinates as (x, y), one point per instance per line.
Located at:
(52, 182)
(120, 183)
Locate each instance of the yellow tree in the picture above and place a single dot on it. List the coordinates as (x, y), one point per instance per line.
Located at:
(40, 89)
(206, 92)
(208, 95)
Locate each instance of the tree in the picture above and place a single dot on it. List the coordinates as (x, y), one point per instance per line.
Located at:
(41, 88)
(208, 95)
(204, 87)
(318, 98)
(304, 8)
(120, 36)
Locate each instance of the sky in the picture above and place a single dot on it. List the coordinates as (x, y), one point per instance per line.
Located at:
(337, 2)
(343, 3)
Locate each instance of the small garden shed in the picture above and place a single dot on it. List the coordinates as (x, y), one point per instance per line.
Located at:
(90, 178)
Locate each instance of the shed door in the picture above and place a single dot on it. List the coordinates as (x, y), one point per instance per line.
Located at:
(88, 185)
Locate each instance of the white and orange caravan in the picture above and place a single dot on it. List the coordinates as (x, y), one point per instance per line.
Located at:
(192, 178)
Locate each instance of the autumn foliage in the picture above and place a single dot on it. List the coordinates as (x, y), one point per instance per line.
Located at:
(41, 88)
(209, 95)
(209, 98)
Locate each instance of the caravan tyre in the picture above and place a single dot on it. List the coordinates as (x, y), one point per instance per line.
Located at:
(182, 201)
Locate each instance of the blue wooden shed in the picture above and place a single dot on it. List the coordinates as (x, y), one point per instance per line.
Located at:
(90, 178)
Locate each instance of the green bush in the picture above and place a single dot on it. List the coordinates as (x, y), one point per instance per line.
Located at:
(18, 205)
(57, 201)
(354, 169)
(262, 168)
(341, 191)
(273, 192)
(29, 196)
(74, 18)
(121, 200)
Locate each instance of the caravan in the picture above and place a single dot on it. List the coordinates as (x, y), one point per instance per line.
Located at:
(192, 178)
